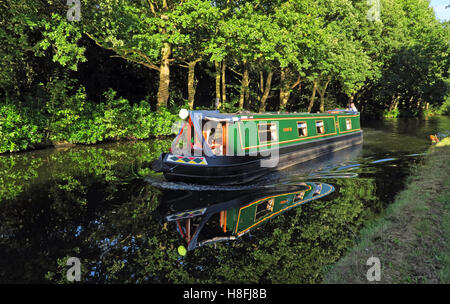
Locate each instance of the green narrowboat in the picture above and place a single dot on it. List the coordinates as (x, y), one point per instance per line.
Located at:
(227, 149)
(233, 217)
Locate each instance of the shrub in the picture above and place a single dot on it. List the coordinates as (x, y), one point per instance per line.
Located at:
(162, 122)
(116, 119)
(68, 117)
(445, 107)
(146, 123)
(63, 107)
(391, 114)
(17, 131)
(116, 115)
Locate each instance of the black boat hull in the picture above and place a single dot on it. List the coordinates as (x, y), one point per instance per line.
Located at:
(232, 170)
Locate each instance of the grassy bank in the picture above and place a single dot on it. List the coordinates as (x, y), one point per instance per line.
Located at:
(412, 237)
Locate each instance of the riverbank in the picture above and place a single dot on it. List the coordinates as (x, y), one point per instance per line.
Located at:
(411, 238)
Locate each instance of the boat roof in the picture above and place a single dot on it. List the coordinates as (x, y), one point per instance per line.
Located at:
(230, 117)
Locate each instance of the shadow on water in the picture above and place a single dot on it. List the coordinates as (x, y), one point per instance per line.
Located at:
(103, 205)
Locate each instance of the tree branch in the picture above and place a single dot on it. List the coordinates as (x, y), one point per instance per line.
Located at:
(152, 7)
(188, 62)
(240, 74)
(297, 82)
(122, 53)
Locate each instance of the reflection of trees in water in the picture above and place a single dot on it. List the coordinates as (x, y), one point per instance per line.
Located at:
(113, 229)
(19, 172)
(294, 247)
(85, 203)
(99, 226)
(49, 199)
(14, 175)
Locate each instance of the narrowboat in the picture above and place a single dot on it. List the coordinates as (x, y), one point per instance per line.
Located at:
(229, 149)
(229, 216)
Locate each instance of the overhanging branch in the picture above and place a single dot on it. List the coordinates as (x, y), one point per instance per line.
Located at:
(123, 53)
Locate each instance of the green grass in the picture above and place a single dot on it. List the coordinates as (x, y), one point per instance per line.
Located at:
(444, 143)
(411, 238)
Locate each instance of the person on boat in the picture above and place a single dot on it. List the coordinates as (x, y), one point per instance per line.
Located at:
(351, 107)
(214, 142)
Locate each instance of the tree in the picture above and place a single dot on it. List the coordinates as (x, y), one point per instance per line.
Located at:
(154, 34)
(197, 21)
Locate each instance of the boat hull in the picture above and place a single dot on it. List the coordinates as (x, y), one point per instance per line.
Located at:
(232, 170)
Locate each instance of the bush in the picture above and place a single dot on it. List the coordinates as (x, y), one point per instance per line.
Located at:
(17, 130)
(445, 107)
(87, 130)
(116, 119)
(146, 123)
(68, 117)
(63, 107)
(162, 122)
(116, 116)
(391, 114)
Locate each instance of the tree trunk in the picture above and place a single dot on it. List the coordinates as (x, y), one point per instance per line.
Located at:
(191, 82)
(217, 101)
(261, 88)
(224, 95)
(164, 76)
(247, 83)
(266, 91)
(394, 104)
(311, 102)
(244, 87)
(284, 90)
(286, 87)
(322, 103)
(322, 95)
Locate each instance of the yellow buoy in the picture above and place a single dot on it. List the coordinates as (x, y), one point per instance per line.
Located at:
(182, 250)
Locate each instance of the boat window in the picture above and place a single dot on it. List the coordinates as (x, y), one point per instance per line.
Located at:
(299, 196)
(267, 132)
(264, 208)
(319, 127)
(348, 122)
(318, 190)
(302, 130)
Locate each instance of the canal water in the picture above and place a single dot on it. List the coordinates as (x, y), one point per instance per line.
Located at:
(103, 205)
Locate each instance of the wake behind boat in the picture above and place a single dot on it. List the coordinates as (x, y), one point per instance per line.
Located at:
(230, 149)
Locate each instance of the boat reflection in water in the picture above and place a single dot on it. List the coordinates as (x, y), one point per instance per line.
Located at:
(201, 219)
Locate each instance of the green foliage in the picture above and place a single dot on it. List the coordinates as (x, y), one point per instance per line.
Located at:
(445, 107)
(17, 130)
(230, 107)
(68, 117)
(116, 115)
(63, 36)
(391, 114)
(117, 119)
(147, 123)
(63, 108)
